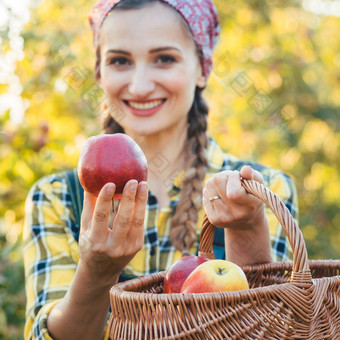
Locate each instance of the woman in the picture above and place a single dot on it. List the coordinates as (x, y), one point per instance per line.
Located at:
(153, 61)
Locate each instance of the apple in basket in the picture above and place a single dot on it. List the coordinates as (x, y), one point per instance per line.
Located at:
(215, 276)
(179, 271)
(113, 158)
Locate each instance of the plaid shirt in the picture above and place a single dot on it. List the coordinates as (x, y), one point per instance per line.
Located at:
(51, 236)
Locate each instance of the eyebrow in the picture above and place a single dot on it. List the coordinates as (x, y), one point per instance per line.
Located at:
(118, 52)
(154, 50)
(165, 48)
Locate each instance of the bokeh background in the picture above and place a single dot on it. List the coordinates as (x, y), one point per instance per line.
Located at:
(274, 95)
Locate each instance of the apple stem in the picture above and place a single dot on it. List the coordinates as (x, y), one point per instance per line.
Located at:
(220, 271)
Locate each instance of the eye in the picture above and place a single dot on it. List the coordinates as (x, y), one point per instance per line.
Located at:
(165, 59)
(119, 61)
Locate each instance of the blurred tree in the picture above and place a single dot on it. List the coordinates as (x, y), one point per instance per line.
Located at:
(275, 98)
(274, 95)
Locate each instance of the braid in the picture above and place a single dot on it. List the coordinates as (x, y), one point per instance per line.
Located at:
(183, 223)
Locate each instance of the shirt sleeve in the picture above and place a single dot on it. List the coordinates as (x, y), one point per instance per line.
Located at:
(282, 185)
(50, 252)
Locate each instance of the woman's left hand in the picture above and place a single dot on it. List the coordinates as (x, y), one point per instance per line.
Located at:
(234, 208)
(247, 238)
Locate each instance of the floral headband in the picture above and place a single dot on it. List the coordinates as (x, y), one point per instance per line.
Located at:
(201, 16)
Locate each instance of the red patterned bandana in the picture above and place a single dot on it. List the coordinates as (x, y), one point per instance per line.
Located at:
(201, 16)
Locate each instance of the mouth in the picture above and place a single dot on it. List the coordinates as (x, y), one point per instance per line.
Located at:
(146, 105)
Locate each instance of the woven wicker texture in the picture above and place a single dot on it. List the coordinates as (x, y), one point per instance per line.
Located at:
(298, 300)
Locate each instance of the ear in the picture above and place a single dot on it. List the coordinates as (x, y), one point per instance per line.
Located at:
(201, 81)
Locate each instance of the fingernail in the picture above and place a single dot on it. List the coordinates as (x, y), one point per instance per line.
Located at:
(143, 187)
(133, 186)
(110, 189)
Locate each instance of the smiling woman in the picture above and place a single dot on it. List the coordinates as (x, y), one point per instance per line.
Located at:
(149, 69)
(154, 58)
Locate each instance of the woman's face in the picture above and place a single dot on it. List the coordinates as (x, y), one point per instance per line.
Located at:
(149, 69)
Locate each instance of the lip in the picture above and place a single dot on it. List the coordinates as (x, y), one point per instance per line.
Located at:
(147, 111)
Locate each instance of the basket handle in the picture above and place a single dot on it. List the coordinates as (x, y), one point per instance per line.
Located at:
(300, 271)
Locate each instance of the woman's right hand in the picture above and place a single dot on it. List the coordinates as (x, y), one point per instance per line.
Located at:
(106, 249)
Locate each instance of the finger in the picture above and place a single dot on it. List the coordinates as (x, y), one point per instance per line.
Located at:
(140, 205)
(123, 219)
(101, 214)
(209, 188)
(88, 208)
(216, 210)
(211, 192)
(235, 190)
(207, 205)
(220, 181)
(137, 228)
(214, 207)
(248, 172)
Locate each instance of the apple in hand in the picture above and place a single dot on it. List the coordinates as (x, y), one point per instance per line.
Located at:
(179, 271)
(215, 276)
(115, 158)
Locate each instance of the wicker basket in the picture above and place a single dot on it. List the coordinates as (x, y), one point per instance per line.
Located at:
(298, 300)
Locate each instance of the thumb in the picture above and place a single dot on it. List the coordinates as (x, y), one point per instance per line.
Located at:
(248, 172)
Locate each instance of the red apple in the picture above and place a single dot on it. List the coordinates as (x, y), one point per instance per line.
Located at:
(179, 271)
(113, 158)
(215, 276)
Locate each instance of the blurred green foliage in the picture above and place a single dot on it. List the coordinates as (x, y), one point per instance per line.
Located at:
(274, 95)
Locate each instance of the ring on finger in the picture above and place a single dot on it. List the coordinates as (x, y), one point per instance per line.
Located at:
(214, 198)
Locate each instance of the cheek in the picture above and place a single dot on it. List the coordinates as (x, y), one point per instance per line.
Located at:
(181, 83)
(183, 97)
(110, 84)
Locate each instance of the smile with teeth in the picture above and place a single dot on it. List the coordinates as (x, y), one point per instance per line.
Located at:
(145, 106)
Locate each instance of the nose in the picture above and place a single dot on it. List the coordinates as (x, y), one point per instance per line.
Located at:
(141, 84)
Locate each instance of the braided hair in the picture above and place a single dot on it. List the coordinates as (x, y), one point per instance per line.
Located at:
(183, 223)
